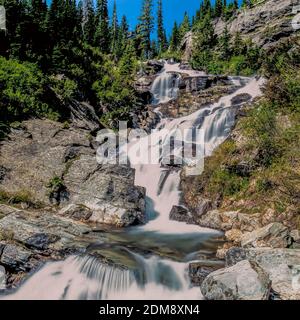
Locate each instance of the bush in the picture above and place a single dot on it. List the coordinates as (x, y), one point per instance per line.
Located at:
(22, 91)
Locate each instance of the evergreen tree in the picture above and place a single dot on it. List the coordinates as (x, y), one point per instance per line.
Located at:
(114, 30)
(225, 44)
(175, 38)
(218, 8)
(238, 45)
(235, 4)
(204, 41)
(161, 33)
(122, 37)
(102, 36)
(88, 21)
(185, 26)
(146, 27)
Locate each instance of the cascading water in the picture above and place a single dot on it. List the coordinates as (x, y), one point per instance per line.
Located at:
(165, 87)
(157, 278)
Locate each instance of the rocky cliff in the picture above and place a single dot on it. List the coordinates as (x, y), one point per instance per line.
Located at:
(265, 24)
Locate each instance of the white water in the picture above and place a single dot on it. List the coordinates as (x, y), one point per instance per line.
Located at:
(87, 278)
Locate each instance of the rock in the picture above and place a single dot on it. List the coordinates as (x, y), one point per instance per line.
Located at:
(83, 116)
(156, 65)
(274, 235)
(243, 281)
(42, 230)
(295, 234)
(2, 278)
(255, 22)
(212, 219)
(234, 235)
(281, 265)
(187, 46)
(181, 214)
(107, 190)
(76, 212)
(15, 257)
(58, 166)
(41, 241)
(199, 270)
(240, 99)
(203, 206)
(3, 172)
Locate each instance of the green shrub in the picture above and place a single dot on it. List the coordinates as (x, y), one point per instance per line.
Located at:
(22, 91)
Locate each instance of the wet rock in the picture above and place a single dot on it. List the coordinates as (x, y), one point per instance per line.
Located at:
(240, 99)
(155, 65)
(281, 265)
(198, 271)
(15, 257)
(32, 229)
(181, 214)
(274, 235)
(41, 241)
(243, 281)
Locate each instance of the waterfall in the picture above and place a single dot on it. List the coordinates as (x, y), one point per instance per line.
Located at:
(156, 278)
(85, 278)
(165, 87)
(76, 278)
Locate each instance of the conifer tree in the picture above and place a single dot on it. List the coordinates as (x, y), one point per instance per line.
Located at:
(114, 30)
(102, 36)
(88, 21)
(225, 44)
(218, 8)
(161, 33)
(185, 26)
(175, 38)
(146, 27)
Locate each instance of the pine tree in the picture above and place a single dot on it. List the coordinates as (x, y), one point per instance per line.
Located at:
(102, 36)
(114, 30)
(235, 4)
(88, 21)
(146, 27)
(225, 44)
(161, 33)
(122, 37)
(218, 8)
(206, 8)
(185, 26)
(175, 38)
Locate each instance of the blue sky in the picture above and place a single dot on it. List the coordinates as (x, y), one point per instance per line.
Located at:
(173, 10)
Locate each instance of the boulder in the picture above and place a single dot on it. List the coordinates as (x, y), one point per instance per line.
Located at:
(203, 206)
(212, 219)
(15, 257)
(274, 235)
(2, 278)
(243, 281)
(199, 270)
(107, 190)
(181, 214)
(52, 164)
(281, 265)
